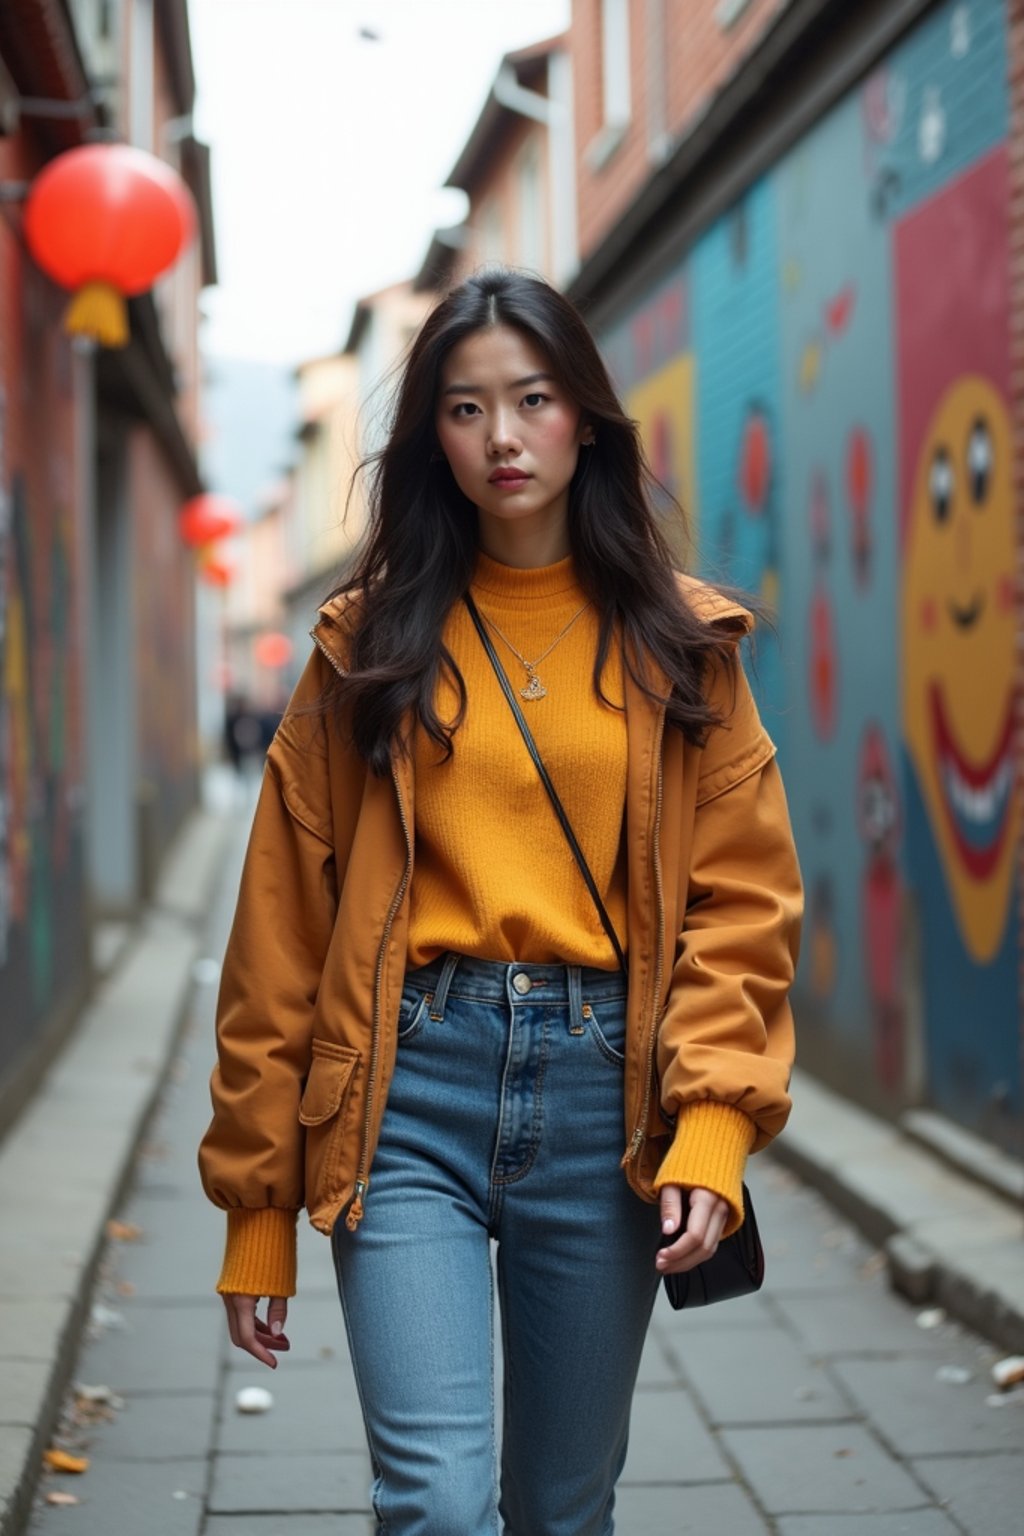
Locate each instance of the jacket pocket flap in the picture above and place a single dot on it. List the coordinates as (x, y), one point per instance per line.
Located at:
(329, 1076)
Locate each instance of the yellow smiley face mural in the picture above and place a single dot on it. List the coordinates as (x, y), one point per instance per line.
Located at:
(958, 652)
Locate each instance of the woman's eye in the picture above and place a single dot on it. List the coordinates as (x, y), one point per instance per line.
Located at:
(464, 408)
(533, 399)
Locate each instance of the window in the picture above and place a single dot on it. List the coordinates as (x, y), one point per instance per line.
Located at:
(657, 81)
(531, 209)
(615, 61)
(615, 92)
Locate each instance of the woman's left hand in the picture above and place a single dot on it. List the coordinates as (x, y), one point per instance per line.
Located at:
(699, 1230)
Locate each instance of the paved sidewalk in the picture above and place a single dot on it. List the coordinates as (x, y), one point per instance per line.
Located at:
(818, 1407)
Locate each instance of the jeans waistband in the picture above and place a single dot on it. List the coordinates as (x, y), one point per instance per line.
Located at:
(454, 975)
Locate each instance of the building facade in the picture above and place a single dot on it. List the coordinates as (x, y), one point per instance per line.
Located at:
(809, 292)
(98, 761)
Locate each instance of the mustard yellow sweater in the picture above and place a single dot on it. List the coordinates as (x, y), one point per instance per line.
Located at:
(494, 876)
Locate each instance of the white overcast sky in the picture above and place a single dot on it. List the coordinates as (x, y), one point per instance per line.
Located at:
(329, 150)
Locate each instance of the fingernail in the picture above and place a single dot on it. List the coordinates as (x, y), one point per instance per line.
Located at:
(668, 1225)
(275, 1326)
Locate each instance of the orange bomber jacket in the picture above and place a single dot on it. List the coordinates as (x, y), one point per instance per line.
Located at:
(314, 967)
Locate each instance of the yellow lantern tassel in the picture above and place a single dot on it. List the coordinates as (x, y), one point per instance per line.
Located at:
(98, 310)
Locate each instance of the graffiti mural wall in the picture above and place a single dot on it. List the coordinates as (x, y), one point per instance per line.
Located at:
(824, 383)
(43, 919)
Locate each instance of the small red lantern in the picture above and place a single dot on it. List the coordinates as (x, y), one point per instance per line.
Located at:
(217, 573)
(273, 650)
(208, 517)
(106, 220)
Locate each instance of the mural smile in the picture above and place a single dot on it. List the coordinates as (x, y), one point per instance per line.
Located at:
(976, 796)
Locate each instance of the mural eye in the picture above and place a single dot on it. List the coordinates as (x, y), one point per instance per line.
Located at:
(940, 484)
(979, 460)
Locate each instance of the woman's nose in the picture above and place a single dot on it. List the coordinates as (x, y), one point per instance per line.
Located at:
(502, 437)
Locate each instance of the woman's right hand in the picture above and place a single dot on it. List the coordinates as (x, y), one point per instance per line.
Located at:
(251, 1333)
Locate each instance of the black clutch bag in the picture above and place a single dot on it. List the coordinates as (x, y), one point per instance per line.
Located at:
(737, 1266)
(735, 1269)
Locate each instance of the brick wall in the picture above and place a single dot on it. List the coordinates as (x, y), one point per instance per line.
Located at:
(686, 56)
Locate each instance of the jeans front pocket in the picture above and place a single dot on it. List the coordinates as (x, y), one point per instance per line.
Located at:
(606, 1026)
(412, 1013)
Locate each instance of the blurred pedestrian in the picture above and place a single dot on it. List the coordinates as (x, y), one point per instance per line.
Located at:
(424, 1020)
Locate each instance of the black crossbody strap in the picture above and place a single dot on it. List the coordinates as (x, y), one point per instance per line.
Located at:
(566, 825)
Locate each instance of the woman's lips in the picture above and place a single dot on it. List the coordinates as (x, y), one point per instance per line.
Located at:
(508, 478)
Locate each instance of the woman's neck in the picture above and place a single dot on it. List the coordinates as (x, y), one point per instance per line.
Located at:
(522, 544)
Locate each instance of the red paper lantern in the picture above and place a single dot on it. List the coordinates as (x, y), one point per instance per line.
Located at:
(273, 650)
(208, 517)
(106, 220)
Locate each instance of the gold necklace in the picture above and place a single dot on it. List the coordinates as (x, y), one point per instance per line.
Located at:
(534, 687)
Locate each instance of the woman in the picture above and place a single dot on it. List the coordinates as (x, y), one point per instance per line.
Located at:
(422, 1023)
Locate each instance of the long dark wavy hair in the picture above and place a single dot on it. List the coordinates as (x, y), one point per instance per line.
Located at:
(421, 544)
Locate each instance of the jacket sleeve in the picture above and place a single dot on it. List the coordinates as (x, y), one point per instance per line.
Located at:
(726, 1044)
(251, 1157)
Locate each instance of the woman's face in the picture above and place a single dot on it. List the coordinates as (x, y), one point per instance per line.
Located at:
(509, 431)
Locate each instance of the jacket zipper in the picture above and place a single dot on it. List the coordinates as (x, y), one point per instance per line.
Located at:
(355, 1211)
(640, 1129)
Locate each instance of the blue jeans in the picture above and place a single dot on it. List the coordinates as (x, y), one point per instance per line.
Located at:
(504, 1120)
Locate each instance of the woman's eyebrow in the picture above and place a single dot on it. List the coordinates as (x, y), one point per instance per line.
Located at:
(477, 389)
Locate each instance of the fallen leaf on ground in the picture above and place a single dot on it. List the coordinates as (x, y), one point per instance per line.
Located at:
(63, 1461)
(125, 1288)
(931, 1317)
(123, 1231)
(253, 1400)
(1007, 1373)
(56, 1497)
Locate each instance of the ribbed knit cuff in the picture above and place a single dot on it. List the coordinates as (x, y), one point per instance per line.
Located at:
(260, 1253)
(709, 1151)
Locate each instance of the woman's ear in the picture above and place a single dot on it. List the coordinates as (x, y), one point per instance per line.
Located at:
(587, 436)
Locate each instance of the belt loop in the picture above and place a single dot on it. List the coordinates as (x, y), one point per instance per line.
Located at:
(576, 1025)
(444, 981)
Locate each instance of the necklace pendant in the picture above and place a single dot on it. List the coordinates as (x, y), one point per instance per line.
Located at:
(534, 689)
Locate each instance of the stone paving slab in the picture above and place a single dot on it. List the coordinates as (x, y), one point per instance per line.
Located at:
(918, 1522)
(17, 1445)
(694, 1511)
(758, 1377)
(160, 1349)
(291, 1525)
(822, 1470)
(144, 1498)
(920, 1415)
(862, 1320)
(335, 1481)
(315, 1409)
(668, 1443)
(24, 1385)
(985, 1493)
(144, 1429)
(32, 1330)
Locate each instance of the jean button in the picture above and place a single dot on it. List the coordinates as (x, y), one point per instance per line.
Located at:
(522, 983)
